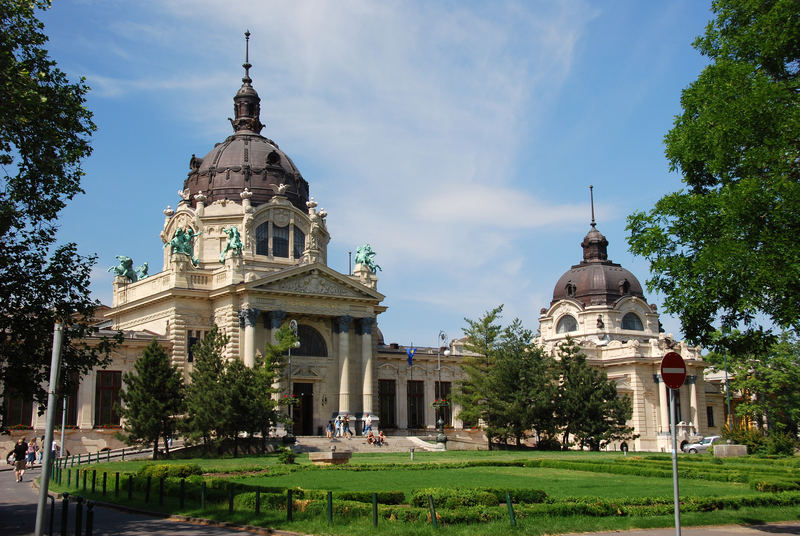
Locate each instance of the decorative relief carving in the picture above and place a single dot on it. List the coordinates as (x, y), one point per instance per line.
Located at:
(313, 284)
(280, 217)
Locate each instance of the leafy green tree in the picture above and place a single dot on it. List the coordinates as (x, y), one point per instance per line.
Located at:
(152, 399)
(587, 404)
(44, 135)
(269, 371)
(473, 393)
(207, 394)
(723, 251)
(521, 388)
(769, 381)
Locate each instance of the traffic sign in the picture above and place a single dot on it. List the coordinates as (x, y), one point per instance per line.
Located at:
(673, 370)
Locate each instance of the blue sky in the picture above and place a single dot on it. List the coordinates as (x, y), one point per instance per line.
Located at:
(458, 138)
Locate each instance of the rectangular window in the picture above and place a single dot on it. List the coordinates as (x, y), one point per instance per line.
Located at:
(416, 404)
(18, 410)
(192, 338)
(262, 239)
(280, 241)
(442, 392)
(72, 401)
(710, 416)
(109, 384)
(387, 403)
(299, 243)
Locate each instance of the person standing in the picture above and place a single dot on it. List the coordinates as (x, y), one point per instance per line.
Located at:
(30, 458)
(20, 455)
(329, 430)
(367, 424)
(338, 426)
(346, 426)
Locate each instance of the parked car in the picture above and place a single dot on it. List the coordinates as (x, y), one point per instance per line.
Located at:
(702, 446)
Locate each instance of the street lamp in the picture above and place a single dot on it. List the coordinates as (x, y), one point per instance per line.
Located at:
(441, 402)
(296, 344)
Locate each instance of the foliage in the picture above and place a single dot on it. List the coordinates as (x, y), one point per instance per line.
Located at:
(152, 399)
(753, 438)
(226, 398)
(286, 456)
(44, 135)
(723, 251)
(163, 470)
(768, 378)
(206, 394)
(587, 404)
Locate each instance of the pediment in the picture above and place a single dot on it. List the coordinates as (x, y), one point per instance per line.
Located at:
(314, 282)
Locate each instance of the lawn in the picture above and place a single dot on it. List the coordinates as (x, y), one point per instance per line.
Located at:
(584, 491)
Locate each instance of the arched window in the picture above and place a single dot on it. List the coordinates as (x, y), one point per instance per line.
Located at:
(280, 241)
(311, 342)
(632, 321)
(299, 243)
(262, 239)
(567, 324)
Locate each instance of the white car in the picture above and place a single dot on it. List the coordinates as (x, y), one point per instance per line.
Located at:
(702, 446)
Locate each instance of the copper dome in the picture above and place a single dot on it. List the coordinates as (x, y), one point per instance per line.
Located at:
(245, 159)
(596, 280)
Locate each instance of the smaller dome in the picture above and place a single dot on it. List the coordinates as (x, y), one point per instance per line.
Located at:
(596, 280)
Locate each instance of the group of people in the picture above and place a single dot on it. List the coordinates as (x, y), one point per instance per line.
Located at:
(26, 454)
(340, 427)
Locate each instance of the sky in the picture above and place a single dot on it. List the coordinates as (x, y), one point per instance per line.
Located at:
(458, 138)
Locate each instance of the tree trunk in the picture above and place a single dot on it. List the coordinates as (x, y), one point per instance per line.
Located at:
(166, 447)
(155, 449)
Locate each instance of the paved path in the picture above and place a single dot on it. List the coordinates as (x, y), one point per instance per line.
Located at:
(18, 503)
(18, 516)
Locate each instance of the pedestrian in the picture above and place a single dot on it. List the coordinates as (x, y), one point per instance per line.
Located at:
(346, 426)
(338, 426)
(367, 424)
(30, 457)
(20, 453)
(40, 454)
(53, 451)
(329, 430)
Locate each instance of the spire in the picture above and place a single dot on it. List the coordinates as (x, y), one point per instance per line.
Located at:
(595, 245)
(246, 103)
(247, 80)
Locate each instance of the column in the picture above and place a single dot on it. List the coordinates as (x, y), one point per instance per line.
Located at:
(367, 367)
(341, 326)
(663, 403)
(247, 320)
(694, 411)
(272, 322)
(86, 401)
(402, 399)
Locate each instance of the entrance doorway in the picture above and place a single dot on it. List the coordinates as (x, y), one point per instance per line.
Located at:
(304, 411)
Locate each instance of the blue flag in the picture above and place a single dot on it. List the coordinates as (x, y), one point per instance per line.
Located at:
(411, 352)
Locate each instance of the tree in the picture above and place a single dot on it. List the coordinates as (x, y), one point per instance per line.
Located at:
(723, 251)
(269, 371)
(769, 381)
(587, 404)
(473, 393)
(44, 133)
(206, 394)
(152, 399)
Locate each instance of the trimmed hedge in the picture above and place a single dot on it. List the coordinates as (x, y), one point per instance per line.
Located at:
(384, 497)
(159, 470)
(453, 498)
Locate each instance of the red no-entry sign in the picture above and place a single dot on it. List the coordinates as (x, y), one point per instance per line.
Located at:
(673, 370)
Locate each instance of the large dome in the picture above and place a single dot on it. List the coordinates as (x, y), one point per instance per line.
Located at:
(596, 280)
(245, 159)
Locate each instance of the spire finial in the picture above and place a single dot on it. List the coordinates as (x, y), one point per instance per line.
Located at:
(591, 197)
(246, 63)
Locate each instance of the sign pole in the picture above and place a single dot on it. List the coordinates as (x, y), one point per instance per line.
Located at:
(676, 498)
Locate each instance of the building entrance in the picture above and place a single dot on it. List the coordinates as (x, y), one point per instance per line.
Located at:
(304, 411)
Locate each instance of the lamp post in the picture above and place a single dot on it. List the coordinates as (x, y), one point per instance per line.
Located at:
(440, 403)
(296, 344)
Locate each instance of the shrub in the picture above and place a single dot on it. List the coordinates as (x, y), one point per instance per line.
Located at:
(453, 498)
(163, 470)
(384, 497)
(286, 456)
(781, 443)
(754, 439)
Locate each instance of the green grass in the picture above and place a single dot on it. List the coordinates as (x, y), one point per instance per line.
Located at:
(583, 476)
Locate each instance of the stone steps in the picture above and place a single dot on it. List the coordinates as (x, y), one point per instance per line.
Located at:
(359, 444)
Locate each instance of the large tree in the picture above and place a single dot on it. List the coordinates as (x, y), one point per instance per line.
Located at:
(44, 135)
(588, 407)
(768, 379)
(152, 399)
(206, 394)
(724, 250)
